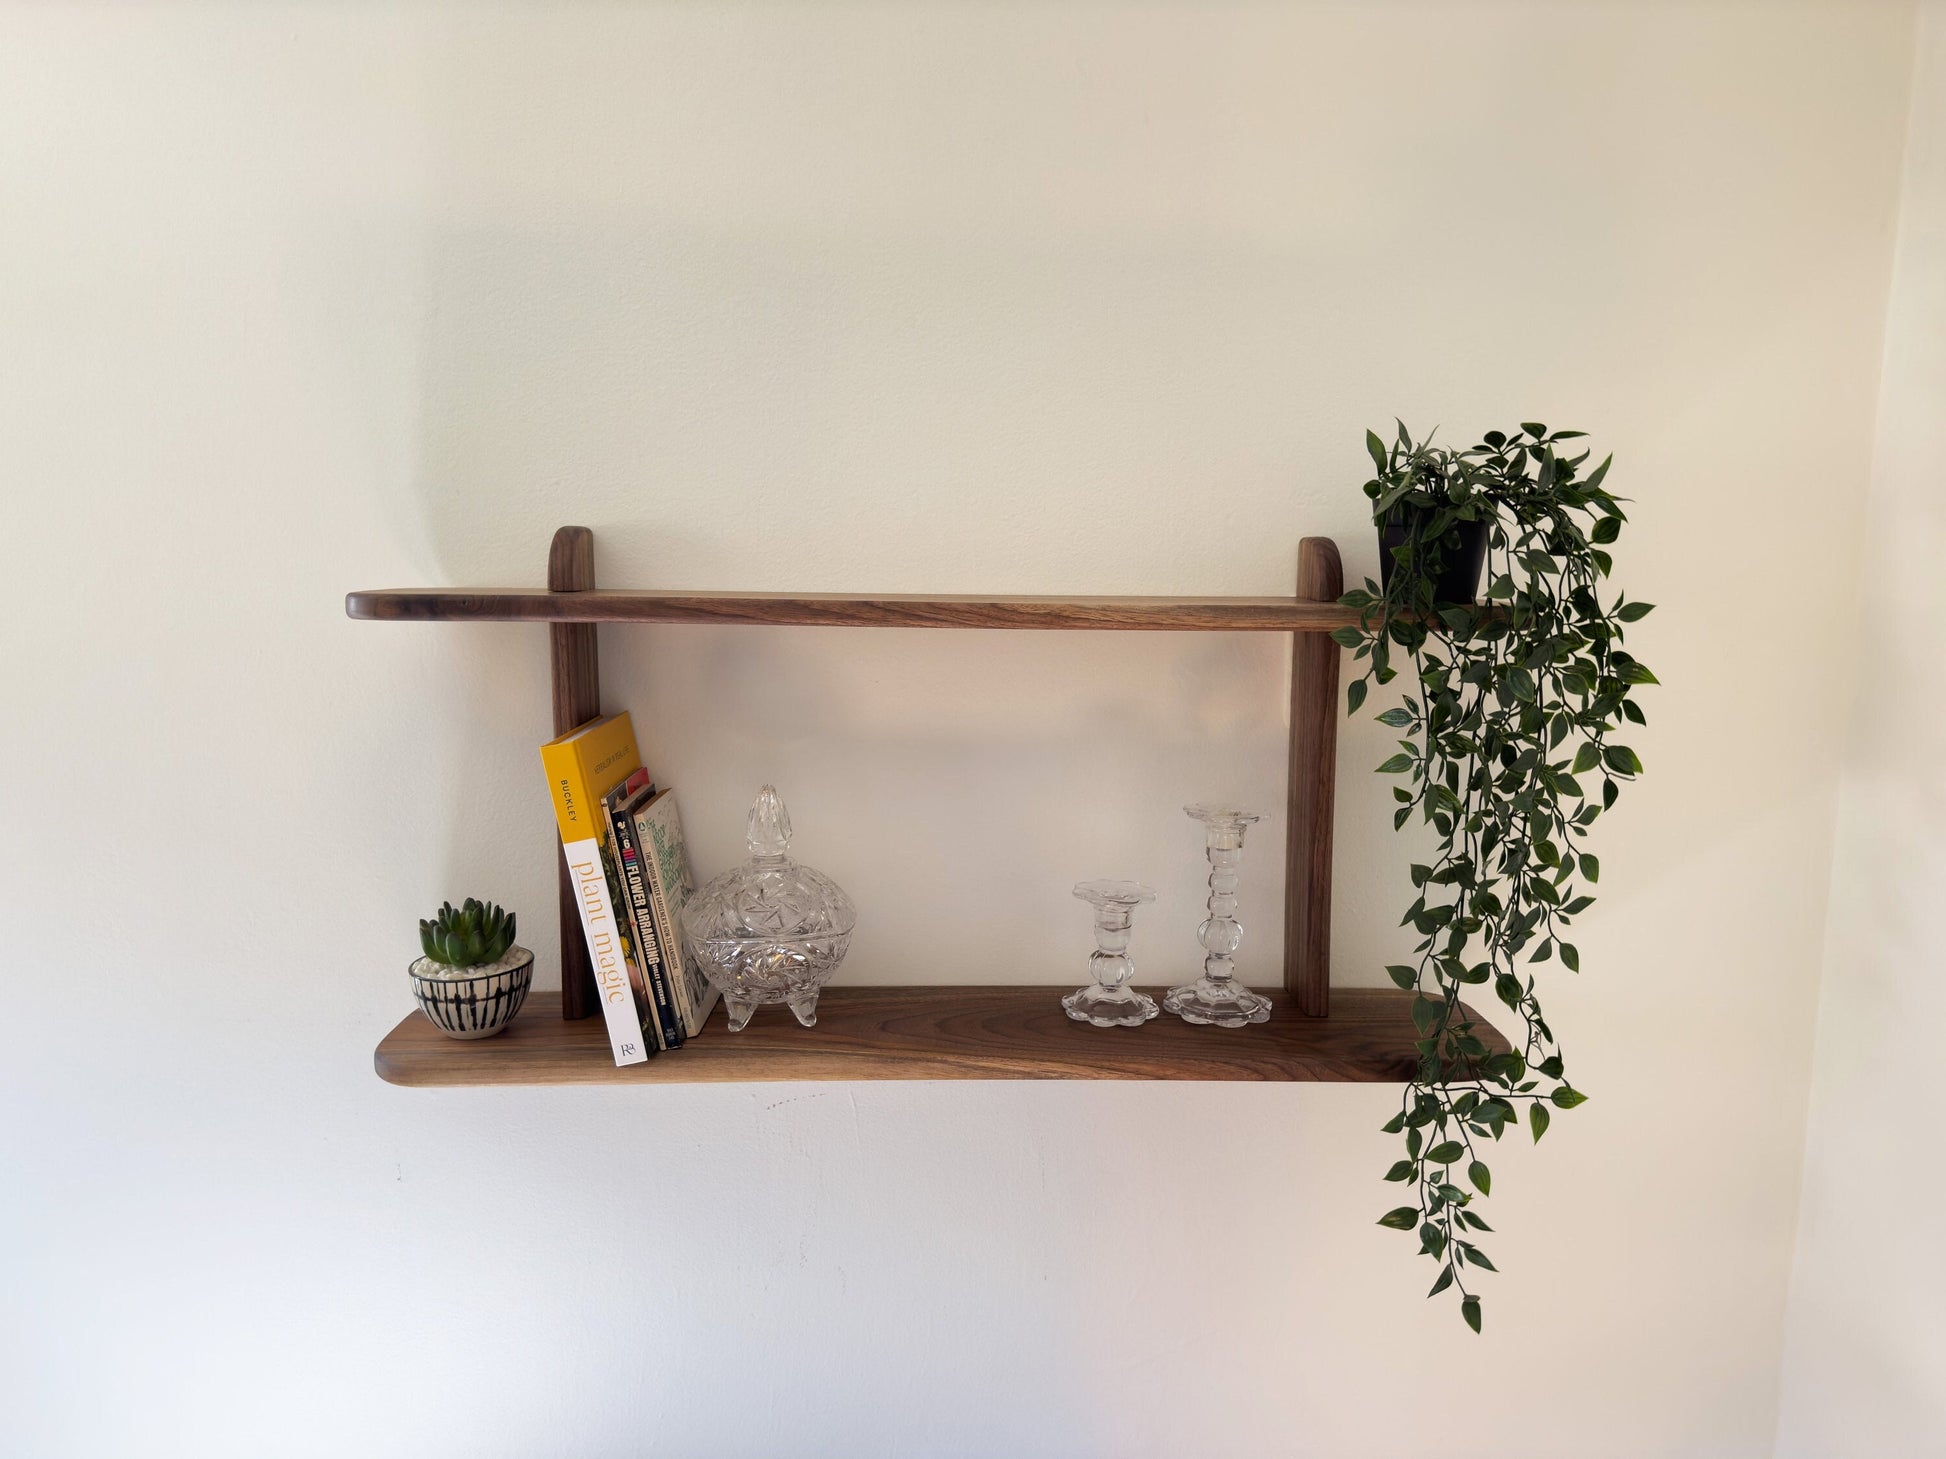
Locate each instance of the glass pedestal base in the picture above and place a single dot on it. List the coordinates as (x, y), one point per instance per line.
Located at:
(1224, 1004)
(803, 1002)
(1119, 1008)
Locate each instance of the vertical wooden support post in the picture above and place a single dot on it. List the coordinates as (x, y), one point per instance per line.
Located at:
(1313, 783)
(576, 670)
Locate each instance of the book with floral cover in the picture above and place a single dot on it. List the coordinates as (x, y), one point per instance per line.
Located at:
(658, 829)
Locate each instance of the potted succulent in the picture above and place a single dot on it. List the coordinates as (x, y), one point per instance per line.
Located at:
(472, 979)
(1508, 751)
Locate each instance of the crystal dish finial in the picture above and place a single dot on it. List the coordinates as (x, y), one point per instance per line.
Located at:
(769, 825)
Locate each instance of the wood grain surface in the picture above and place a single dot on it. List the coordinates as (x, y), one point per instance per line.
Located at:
(931, 1033)
(884, 610)
(574, 664)
(1313, 787)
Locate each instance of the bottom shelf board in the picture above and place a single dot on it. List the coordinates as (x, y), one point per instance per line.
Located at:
(931, 1033)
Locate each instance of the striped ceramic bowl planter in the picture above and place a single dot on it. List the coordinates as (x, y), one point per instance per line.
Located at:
(478, 1006)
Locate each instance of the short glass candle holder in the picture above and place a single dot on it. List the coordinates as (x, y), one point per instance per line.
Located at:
(1109, 1002)
(1216, 997)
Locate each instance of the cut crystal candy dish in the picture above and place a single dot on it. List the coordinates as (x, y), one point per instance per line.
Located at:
(1109, 1002)
(771, 931)
(1217, 997)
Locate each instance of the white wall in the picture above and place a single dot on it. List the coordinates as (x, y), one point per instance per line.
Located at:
(904, 297)
(1866, 1334)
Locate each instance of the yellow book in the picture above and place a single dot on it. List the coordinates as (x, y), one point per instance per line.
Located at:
(582, 766)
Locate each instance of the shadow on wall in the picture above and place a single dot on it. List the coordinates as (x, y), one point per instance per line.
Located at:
(726, 414)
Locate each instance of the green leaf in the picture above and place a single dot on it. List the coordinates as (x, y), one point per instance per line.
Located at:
(1347, 637)
(1445, 1281)
(1606, 530)
(1533, 428)
(1398, 717)
(1508, 987)
(1377, 449)
(1470, 1310)
(1590, 868)
(1638, 674)
(1571, 956)
(1404, 1218)
(1404, 976)
(1481, 1177)
(1355, 695)
(1396, 764)
(1566, 1098)
(1537, 1117)
(1402, 1170)
(1395, 1124)
(1630, 612)
(1622, 760)
(1478, 1257)
(1586, 758)
(1445, 1152)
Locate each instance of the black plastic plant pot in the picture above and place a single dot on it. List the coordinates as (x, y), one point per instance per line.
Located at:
(1459, 578)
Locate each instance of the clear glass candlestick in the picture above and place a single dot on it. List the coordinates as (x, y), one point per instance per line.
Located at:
(1217, 997)
(1109, 1002)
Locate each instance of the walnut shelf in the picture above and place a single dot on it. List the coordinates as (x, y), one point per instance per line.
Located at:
(931, 1033)
(846, 610)
(937, 1033)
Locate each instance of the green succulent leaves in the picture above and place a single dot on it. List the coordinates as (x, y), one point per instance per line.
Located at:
(474, 933)
(1504, 749)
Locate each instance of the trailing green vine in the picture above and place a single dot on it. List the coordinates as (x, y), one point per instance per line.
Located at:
(1505, 735)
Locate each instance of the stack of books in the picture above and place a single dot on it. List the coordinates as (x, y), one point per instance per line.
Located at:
(625, 855)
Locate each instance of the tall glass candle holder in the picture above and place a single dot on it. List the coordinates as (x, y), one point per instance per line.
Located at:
(1216, 997)
(1109, 1002)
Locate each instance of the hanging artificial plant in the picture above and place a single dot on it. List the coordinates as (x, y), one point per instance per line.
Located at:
(1507, 751)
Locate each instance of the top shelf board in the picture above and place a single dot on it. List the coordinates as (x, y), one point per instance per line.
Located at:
(847, 610)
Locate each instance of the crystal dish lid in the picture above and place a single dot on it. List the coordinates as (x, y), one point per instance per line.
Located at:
(770, 898)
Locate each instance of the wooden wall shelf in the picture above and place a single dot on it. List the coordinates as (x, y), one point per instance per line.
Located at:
(845, 610)
(930, 1033)
(938, 1033)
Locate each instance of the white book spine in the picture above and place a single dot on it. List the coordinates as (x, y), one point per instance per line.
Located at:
(605, 951)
